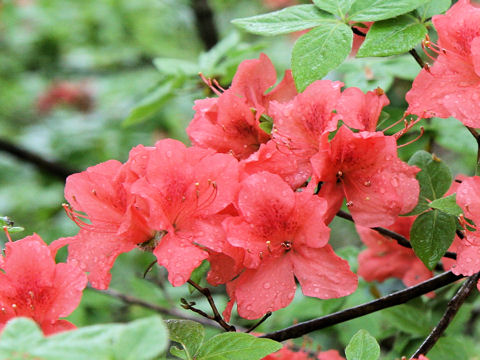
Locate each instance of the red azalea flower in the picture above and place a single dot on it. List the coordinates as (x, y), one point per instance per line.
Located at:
(183, 190)
(33, 286)
(65, 93)
(114, 223)
(468, 249)
(365, 169)
(361, 111)
(286, 354)
(230, 123)
(283, 235)
(330, 355)
(451, 87)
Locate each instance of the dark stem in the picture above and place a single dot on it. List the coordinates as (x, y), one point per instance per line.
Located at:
(358, 32)
(216, 315)
(265, 317)
(401, 240)
(204, 19)
(131, 300)
(417, 58)
(477, 138)
(452, 308)
(47, 166)
(396, 298)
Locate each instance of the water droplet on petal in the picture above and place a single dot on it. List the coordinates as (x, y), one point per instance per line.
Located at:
(267, 285)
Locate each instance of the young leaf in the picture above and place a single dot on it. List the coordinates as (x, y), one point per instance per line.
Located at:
(362, 346)
(447, 205)
(375, 10)
(11, 341)
(392, 37)
(142, 339)
(188, 333)
(431, 235)
(176, 66)
(290, 19)
(335, 7)
(435, 179)
(320, 51)
(433, 7)
(237, 346)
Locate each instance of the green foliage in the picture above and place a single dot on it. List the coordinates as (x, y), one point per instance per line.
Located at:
(362, 346)
(434, 178)
(336, 7)
(290, 19)
(231, 346)
(319, 51)
(143, 339)
(392, 37)
(431, 235)
(447, 205)
(433, 7)
(375, 10)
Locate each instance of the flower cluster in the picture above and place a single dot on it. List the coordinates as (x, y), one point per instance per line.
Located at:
(32, 285)
(254, 194)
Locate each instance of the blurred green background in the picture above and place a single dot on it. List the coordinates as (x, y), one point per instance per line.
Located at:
(82, 82)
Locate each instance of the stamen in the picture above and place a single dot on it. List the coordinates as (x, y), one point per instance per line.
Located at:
(5, 229)
(208, 82)
(395, 123)
(422, 130)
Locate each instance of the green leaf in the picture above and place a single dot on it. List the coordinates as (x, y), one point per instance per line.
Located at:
(237, 346)
(409, 319)
(435, 179)
(433, 7)
(447, 205)
(209, 61)
(142, 339)
(375, 10)
(20, 335)
(450, 347)
(266, 123)
(153, 102)
(290, 19)
(188, 333)
(176, 66)
(320, 51)
(392, 37)
(198, 274)
(335, 7)
(431, 235)
(362, 346)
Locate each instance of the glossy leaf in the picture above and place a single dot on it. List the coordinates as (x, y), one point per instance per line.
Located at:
(375, 10)
(392, 37)
(237, 346)
(447, 205)
(362, 346)
(335, 7)
(433, 7)
(320, 51)
(431, 235)
(188, 333)
(435, 179)
(290, 19)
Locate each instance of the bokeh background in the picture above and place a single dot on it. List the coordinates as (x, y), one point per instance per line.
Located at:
(82, 82)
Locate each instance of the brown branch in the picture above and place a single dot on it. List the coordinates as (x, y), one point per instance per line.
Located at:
(417, 58)
(452, 308)
(131, 300)
(396, 298)
(216, 315)
(261, 321)
(401, 240)
(204, 19)
(50, 167)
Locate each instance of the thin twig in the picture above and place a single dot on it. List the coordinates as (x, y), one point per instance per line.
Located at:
(204, 19)
(390, 300)
(50, 167)
(358, 32)
(417, 58)
(132, 300)
(401, 240)
(254, 326)
(216, 315)
(452, 308)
